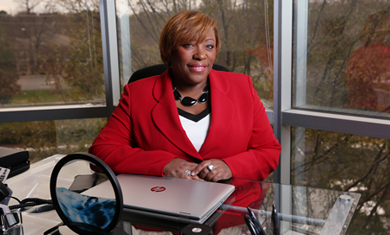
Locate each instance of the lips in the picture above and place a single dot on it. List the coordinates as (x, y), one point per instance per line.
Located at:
(198, 67)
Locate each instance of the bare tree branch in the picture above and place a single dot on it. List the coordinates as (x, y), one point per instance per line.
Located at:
(29, 5)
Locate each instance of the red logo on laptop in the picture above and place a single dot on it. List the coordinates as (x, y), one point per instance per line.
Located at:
(158, 189)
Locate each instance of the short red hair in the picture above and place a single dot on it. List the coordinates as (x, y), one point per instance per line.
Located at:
(185, 27)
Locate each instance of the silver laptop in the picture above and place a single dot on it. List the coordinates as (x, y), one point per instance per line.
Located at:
(170, 198)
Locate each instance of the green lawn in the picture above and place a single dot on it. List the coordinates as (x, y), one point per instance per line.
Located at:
(36, 96)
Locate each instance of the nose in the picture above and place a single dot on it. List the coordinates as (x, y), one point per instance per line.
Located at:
(200, 54)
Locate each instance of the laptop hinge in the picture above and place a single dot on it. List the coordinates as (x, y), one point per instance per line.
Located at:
(184, 217)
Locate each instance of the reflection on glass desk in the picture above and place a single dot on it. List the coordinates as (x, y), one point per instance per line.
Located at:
(301, 210)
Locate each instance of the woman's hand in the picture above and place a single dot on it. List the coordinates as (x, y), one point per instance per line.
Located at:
(220, 170)
(178, 168)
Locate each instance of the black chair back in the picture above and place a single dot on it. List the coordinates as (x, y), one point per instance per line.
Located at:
(159, 69)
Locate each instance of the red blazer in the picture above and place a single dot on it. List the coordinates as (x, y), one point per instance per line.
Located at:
(144, 132)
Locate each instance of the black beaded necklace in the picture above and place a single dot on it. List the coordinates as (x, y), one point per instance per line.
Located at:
(189, 101)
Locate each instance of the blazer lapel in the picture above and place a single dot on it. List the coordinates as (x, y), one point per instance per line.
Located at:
(165, 116)
(221, 109)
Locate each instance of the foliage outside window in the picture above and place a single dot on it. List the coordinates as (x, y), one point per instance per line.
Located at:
(347, 53)
(51, 54)
(346, 162)
(346, 71)
(51, 57)
(45, 138)
(245, 29)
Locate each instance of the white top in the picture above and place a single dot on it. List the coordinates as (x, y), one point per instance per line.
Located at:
(196, 126)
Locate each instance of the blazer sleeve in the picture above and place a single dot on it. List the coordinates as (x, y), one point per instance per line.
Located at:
(117, 147)
(263, 152)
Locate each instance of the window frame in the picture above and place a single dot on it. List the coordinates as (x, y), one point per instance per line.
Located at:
(282, 117)
(82, 111)
(289, 116)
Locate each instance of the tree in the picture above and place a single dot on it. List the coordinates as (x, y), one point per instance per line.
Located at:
(29, 5)
(8, 85)
(79, 64)
(34, 29)
(8, 74)
(336, 160)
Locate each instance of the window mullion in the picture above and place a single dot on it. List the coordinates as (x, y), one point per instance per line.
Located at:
(110, 54)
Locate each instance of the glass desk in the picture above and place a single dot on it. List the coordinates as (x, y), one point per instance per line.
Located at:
(301, 210)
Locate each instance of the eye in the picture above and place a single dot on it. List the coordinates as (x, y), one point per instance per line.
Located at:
(210, 47)
(187, 45)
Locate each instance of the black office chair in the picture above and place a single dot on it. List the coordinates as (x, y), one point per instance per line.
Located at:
(159, 69)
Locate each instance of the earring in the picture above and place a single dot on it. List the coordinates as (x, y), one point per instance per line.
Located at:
(169, 63)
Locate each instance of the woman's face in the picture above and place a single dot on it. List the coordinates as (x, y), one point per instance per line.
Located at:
(192, 62)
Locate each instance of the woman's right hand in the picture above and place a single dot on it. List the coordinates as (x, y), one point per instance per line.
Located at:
(178, 167)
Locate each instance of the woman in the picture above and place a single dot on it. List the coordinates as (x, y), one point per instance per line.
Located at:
(190, 122)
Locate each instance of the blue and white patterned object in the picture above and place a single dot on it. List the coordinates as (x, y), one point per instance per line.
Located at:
(85, 209)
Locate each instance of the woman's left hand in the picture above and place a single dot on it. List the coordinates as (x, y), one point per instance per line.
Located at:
(219, 170)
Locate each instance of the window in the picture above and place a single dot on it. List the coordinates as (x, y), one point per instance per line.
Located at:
(46, 138)
(342, 57)
(245, 29)
(345, 162)
(338, 117)
(52, 95)
(327, 99)
(51, 55)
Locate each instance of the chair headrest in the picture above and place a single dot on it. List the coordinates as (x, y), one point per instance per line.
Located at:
(159, 69)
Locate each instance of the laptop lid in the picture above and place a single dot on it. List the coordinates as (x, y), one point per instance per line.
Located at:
(171, 198)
